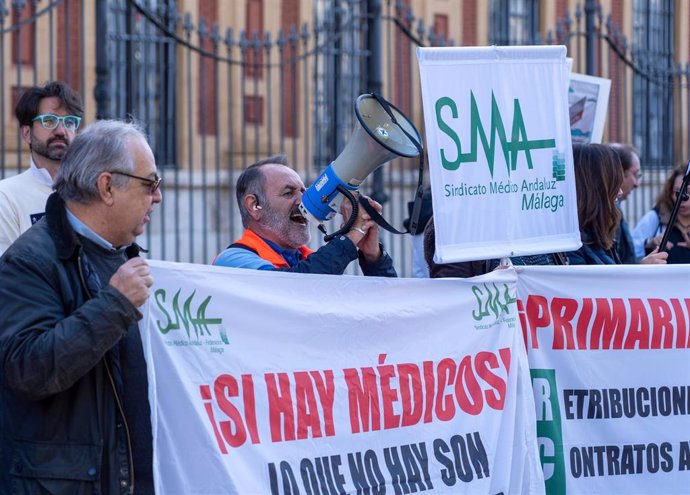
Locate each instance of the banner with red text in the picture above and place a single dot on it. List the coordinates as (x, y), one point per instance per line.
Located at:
(280, 383)
(609, 352)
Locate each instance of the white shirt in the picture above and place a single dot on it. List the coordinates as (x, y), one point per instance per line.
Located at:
(22, 202)
(647, 227)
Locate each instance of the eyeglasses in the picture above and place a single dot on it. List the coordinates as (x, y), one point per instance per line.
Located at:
(685, 195)
(50, 121)
(154, 184)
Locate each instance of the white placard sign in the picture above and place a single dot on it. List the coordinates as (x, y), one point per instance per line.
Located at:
(500, 157)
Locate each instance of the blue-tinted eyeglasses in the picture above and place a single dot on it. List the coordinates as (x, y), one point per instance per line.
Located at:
(50, 121)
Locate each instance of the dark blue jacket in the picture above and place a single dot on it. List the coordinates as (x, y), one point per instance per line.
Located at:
(62, 425)
(592, 254)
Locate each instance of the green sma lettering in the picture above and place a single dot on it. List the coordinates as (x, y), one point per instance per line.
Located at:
(447, 102)
(509, 149)
(159, 297)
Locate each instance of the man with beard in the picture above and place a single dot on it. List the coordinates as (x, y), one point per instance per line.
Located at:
(632, 174)
(276, 233)
(49, 117)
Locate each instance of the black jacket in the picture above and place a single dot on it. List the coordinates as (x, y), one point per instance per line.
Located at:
(62, 429)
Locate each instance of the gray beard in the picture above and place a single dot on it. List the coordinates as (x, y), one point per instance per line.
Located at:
(290, 233)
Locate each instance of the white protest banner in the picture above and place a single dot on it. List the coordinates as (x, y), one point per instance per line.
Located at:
(280, 383)
(500, 157)
(609, 352)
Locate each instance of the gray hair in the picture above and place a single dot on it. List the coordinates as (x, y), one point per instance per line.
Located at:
(101, 147)
(252, 181)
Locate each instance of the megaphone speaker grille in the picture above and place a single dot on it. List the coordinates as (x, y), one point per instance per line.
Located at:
(379, 125)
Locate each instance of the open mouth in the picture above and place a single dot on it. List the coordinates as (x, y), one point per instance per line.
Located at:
(298, 218)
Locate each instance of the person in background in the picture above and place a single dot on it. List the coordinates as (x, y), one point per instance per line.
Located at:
(650, 229)
(49, 117)
(632, 174)
(466, 269)
(598, 180)
(74, 410)
(276, 233)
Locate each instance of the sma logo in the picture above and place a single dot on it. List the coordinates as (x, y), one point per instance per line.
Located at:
(509, 148)
(491, 300)
(183, 315)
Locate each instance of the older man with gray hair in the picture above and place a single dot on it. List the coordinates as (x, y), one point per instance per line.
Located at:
(74, 413)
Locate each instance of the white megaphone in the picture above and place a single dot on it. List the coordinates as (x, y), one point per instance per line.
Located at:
(379, 137)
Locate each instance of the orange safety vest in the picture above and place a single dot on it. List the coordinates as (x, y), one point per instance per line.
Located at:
(252, 241)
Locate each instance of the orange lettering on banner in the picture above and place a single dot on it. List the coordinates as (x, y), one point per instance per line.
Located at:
(563, 310)
(280, 407)
(583, 323)
(301, 404)
(233, 430)
(606, 323)
(410, 394)
(300, 418)
(681, 324)
(363, 399)
(427, 392)
(486, 361)
(638, 330)
(609, 324)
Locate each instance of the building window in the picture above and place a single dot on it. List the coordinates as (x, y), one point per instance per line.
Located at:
(23, 39)
(441, 28)
(143, 74)
(253, 109)
(255, 37)
(289, 21)
(514, 22)
(207, 118)
(653, 109)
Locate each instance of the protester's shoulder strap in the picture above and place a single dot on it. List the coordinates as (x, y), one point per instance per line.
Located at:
(658, 218)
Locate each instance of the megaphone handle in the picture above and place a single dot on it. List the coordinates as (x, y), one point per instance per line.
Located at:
(417, 207)
(376, 216)
(350, 221)
(386, 107)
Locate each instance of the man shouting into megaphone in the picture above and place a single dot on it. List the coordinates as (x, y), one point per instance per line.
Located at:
(276, 233)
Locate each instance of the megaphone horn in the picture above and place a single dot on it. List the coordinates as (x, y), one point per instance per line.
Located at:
(382, 133)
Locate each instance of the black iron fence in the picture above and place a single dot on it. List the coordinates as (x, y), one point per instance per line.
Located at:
(215, 96)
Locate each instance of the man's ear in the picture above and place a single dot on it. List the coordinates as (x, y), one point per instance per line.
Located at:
(251, 204)
(26, 133)
(106, 188)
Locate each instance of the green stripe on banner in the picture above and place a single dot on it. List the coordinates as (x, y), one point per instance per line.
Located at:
(549, 431)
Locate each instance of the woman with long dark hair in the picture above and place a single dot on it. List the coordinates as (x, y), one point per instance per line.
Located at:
(598, 179)
(651, 227)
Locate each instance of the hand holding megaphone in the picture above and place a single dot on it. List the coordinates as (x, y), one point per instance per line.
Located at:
(364, 232)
